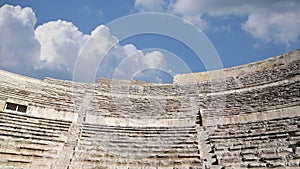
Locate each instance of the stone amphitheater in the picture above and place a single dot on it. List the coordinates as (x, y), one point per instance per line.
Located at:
(241, 117)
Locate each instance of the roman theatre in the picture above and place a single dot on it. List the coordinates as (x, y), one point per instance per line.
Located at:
(241, 117)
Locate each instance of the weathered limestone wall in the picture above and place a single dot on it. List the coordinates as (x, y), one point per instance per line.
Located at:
(262, 86)
(241, 117)
(267, 70)
(256, 108)
(261, 144)
(43, 99)
(134, 103)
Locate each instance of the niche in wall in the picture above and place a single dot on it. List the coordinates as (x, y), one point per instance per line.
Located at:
(15, 107)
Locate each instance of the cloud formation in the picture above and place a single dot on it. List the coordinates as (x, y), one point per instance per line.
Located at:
(18, 45)
(102, 54)
(60, 43)
(269, 21)
(136, 65)
(150, 5)
(53, 47)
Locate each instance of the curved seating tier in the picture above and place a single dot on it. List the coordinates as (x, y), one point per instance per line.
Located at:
(263, 98)
(262, 144)
(27, 141)
(137, 147)
(143, 107)
(251, 79)
(120, 87)
(179, 115)
(35, 92)
(277, 72)
(258, 73)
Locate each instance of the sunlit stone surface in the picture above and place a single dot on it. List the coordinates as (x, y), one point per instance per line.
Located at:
(240, 117)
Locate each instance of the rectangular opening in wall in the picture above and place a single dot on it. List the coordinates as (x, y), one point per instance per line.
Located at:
(11, 106)
(15, 107)
(22, 108)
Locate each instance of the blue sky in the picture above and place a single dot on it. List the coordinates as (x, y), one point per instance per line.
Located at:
(44, 38)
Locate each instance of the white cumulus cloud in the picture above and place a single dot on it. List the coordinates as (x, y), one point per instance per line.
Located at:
(60, 43)
(278, 28)
(113, 60)
(53, 48)
(18, 46)
(269, 21)
(137, 65)
(154, 59)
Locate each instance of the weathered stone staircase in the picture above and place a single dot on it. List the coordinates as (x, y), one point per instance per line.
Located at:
(26, 141)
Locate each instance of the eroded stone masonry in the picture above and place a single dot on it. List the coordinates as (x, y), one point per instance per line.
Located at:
(240, 117)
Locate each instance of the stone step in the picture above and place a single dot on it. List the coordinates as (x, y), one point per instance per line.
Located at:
(139, 162)
(28, 142)
(130, 147)
(31, 129)
(59, 123)
(26, 147)
(156, 155)
(38, 99)
(27, 135)
(25, 129)
(141, 129)
(133, 150)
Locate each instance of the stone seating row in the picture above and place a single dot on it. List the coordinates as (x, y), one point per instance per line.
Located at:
(272, 97)
(142, 108)
(59, 99)
(26, 141)
(249, 79)
(248, 101)
(257, 144)
(136, 147)
(254, 100)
